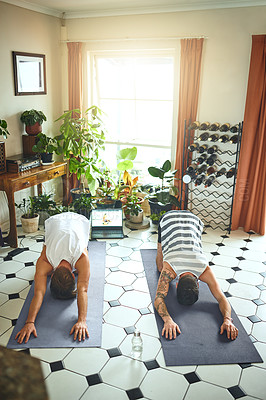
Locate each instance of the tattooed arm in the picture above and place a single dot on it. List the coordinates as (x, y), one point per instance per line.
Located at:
(170, 327)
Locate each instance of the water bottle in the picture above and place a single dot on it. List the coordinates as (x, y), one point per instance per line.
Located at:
(137, 345)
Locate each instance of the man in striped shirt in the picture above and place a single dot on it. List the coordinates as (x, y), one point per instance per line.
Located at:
(179, 254)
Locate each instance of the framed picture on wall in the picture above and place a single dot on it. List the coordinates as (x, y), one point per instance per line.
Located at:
(29, 73)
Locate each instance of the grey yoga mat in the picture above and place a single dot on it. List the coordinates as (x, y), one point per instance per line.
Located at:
(56, 317)
(200, 342)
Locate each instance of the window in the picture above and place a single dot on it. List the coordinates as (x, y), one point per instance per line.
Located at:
(136, 93)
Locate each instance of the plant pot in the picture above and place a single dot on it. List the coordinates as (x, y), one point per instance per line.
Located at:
(136, 219)
(118, 204)
(44, 215)
(105, 203)
(33, 129)
(76, 193)
(47, 158)
(156, 207)
(30, 225)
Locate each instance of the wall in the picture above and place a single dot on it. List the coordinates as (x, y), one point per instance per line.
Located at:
(27, 31)
(226, 49)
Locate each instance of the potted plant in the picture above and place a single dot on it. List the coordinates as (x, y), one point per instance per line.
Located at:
(132, 209)
(83, 205)
(46, 146)
(164, 197)
(4, 133)
(29, 217)
(125, 159)
(156, 217)
(105, 191)
(44, 205)
(80, 140)
(33, 120)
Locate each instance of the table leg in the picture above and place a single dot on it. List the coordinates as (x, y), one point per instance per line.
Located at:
(11, 238)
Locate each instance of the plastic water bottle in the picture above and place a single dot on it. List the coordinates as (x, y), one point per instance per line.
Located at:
(137, 345)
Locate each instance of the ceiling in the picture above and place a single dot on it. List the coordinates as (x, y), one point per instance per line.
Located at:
(99, 8)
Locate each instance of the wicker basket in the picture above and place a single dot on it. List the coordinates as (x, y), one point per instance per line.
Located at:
(2, 158)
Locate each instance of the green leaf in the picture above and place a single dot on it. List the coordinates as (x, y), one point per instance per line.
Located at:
(125, 165)
(156, 172)
(128, 153)
(166, 166)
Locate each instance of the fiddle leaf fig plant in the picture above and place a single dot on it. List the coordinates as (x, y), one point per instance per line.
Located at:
(80, 140)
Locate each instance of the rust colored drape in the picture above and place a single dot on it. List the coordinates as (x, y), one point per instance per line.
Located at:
(190, 68)
(249, 209)
(74, 89)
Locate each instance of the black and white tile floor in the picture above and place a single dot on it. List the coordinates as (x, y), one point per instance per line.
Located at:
(239, 263)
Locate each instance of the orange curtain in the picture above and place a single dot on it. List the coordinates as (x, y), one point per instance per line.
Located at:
(249, 210)
(190, 68)
(74, 89)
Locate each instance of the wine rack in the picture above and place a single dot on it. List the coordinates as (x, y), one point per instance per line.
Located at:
(212, 204)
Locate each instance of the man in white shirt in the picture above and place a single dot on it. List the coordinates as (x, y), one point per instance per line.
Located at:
(179, 254)
(65, 249)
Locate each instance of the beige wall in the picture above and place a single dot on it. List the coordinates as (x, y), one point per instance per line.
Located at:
(226, 50)
(28, 31)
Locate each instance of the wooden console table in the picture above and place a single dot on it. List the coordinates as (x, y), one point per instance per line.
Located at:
(11, 182)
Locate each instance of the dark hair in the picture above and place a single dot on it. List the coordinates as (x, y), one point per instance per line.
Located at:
(187, 290)
(62, 284)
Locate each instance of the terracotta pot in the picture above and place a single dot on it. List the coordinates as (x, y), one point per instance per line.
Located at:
(34, 129)
(30, 225)
(136, 219)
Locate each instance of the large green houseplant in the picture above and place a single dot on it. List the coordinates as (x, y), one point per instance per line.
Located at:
(80, 140)
(46, 146)
(33, 120)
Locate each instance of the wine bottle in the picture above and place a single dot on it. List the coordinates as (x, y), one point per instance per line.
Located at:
(211, 170)
(203, 148)
(234, 139)
(194, 125)
(212, 149)
(204, 136)
(209, 181)
(204, 126)
(201, 158)
(214, 127)
(224, 127)
(193, 147)
(214, 137)
(224, 138)
(221, 172)
(199, 180)
(211, 160)
(191, 167)
(230, 173)
(234, 128)
(201, 169)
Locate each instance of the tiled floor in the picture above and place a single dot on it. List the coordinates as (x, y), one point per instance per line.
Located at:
(239, 263)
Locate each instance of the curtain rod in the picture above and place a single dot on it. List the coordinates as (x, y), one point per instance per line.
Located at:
(133, 39)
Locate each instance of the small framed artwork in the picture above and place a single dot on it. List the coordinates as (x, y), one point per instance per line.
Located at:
(29, 73)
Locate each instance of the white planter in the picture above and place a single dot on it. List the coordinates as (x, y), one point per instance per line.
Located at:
(30, 225)
(136, 219)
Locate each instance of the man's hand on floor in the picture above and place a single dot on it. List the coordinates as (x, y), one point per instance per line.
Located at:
(25, 332)
(170, 329)
(230, 328)
(80, 331)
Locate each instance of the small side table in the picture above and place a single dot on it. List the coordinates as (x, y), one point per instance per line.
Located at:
(12, 182)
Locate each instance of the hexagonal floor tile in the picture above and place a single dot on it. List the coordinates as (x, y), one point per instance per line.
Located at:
(26, 256)
(120, 278)
(131, 266)
(13, 285)
(112, 292)
(5, 324)
(65, 385)
(9, 267)
(147, 325)
(253, 382)
(141, 285)
(50, 355)
(181, 370)
(103, 391)
(151, 347)
(222, 272)
(123, 372)
(119, 251)
(261, 312)
(159, 384)
(244, 291)
(259, 331)
(247, 277)
(11, 308)
(221, 375)
(86, 361)
(207, 391)
(135, 299)
(242, 306)
(112, 261)
(130, 242)
(122, 316)
(112, 336)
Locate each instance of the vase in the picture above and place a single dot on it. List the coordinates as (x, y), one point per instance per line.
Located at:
(33, 129)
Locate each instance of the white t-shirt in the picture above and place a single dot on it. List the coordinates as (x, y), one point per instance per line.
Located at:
(66, 236)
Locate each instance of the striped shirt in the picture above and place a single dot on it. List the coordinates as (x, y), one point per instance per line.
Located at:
(179, 233)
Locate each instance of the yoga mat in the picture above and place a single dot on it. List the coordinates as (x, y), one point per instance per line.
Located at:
(56, 317)
(200, 342)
